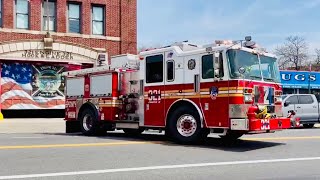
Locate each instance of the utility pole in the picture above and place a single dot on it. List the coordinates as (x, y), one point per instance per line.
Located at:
(309, 89)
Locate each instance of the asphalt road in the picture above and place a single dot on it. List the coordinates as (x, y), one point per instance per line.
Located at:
(291, 154)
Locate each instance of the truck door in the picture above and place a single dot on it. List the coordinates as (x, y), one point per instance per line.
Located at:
(154, 88)
(215, 108)
(174, 79)
(308, 107)
(191, 78)
(293, 99)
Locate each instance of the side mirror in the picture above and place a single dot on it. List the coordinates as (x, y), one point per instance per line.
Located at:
(216, 60)
(287, 103)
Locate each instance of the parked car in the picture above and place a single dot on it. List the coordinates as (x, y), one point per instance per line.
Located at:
(306, 106)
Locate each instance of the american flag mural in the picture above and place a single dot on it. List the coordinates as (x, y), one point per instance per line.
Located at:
(26, 86)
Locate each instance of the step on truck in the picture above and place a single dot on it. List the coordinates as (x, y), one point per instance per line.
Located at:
(230, 88)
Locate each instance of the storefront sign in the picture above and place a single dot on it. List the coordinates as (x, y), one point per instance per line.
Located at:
(47, 54)
(300, 79)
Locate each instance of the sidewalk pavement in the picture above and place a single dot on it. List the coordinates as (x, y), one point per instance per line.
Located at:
(32, 125)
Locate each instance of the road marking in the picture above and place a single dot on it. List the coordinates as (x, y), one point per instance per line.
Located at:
(75, 145)
(157, 168)
(134, 142)
(283, 138)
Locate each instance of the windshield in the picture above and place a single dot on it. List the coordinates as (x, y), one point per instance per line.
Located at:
(268, 69)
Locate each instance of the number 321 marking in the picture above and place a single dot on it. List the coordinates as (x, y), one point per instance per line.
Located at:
(154, 96)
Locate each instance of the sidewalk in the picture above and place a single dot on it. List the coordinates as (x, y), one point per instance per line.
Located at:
(30, 125)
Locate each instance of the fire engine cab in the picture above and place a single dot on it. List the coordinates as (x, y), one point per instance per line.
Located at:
(228, 87)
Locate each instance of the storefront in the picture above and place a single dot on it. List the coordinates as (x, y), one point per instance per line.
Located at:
(31, 72)
(300, 82)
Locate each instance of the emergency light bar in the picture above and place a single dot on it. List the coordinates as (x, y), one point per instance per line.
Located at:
(224, 42)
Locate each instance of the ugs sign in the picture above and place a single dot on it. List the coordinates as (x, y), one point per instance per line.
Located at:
(298, 77)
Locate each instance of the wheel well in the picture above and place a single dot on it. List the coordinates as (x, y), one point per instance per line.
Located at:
(187, 104)
(88, 106)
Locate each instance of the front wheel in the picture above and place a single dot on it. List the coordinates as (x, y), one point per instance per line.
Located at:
(184, 126)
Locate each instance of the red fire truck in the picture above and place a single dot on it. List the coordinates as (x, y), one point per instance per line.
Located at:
(228, 87)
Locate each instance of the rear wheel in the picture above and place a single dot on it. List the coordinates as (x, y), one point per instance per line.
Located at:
(89, 123)
(184, 126)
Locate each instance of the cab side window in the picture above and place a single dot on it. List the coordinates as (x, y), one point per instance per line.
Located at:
(154, 69)
(207, 66)
(170, 70)
(293, 100)
(305, 99)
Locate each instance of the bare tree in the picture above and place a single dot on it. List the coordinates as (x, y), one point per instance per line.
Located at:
(293, 53)
(317, 59)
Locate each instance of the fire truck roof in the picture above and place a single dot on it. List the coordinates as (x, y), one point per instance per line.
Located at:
(185, 48)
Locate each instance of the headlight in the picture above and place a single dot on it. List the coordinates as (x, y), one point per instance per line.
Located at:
(248, 98)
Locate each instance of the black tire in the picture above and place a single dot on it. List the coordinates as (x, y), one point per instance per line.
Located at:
(89, 123)
(308, 125)
(191, 117)
(231, 136)
(133, 132)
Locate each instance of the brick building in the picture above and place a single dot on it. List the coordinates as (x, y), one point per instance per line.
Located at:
(39, 39)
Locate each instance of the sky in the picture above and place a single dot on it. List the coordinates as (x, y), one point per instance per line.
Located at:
(269, 22)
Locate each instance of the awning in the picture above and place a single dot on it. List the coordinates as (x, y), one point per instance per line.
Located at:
(301, 86)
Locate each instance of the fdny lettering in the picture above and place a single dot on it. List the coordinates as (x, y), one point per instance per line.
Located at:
(154, 96)
(70, 104)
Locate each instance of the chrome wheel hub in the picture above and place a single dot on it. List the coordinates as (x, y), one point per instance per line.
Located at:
(186, 125)
(87, 122)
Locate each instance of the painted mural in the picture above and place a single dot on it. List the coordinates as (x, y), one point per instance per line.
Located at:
(27, 86)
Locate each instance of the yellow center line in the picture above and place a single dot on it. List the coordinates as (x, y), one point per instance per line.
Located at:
(137, 142)
(74, 145)
(282, 138)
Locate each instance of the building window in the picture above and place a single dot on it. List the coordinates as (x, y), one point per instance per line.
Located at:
(49, 15)
(97, 20)
(154, 69)
(74, 18)
(22, 14)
